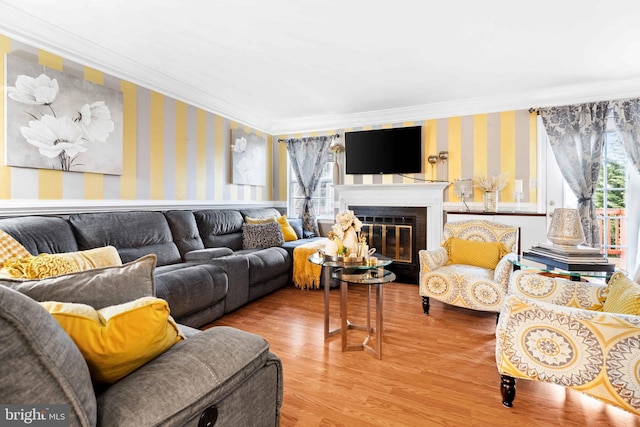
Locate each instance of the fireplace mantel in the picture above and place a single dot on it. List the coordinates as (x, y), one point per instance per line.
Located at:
(428, 195)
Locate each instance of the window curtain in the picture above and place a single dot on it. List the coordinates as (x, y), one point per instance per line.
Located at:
(576, 135)
(626, 115)
(308, 156)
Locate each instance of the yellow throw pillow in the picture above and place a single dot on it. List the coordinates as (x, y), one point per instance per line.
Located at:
(117, 340)
(106, 256)
(622, 295)
(10, 248)
(41, 266)
(250, 220)
(470, 252)
(49, 265)
(287, 230)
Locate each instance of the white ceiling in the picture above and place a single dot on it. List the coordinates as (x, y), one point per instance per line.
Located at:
(288, 66)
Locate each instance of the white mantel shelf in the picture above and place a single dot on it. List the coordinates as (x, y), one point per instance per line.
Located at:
(429, 195)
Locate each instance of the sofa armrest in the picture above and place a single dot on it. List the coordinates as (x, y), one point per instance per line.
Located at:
(503, 270)
(592, 351)
(176, 387)
(430, 260)
(558, 291)
(207, 254)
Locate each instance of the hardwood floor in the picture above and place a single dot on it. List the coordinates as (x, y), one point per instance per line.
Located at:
(435, 370)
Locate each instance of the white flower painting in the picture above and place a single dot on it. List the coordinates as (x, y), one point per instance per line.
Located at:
(59, 121)
(248, 158)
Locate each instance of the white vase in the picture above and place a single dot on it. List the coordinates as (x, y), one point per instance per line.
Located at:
(350, 241)
(331, 248)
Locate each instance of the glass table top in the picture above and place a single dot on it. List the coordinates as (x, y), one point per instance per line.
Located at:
(372, 276)
(317, 258)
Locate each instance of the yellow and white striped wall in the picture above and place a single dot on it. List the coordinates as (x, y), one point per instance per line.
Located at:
(478, 145)
(171, 150)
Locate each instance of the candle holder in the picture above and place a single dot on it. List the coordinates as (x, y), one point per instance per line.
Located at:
(518, 196)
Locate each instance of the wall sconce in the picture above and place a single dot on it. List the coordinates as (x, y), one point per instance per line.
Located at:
(434, 159)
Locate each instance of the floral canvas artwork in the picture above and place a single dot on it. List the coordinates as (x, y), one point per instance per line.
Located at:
(248, 158)
(59, 121)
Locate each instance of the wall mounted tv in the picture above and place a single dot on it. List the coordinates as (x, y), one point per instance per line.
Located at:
(384, 151)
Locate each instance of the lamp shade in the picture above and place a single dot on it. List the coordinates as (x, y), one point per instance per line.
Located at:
(565, 228)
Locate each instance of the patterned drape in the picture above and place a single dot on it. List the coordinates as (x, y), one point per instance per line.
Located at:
(307, 156)
(626, 115)
(576, 134)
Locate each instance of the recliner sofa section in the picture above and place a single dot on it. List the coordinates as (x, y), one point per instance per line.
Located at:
(202, 269)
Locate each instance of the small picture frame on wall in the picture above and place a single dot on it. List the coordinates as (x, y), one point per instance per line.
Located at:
(248, 158)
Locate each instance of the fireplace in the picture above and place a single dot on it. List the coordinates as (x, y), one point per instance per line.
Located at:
(395, 208)
(398, 233)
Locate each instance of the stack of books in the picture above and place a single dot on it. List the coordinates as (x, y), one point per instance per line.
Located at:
(577, 255)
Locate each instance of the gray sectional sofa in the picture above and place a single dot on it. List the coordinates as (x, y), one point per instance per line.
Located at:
(202, 271)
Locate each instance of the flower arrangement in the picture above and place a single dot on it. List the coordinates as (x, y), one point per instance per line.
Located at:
(346, 223)
(492, 183)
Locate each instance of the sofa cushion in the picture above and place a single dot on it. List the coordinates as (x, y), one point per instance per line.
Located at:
(221, 366)
(100, 287)
(41, 234)
(190, 288)
(184, 230)
(220, 228)
(116, 340)
(296, 224)
(267, 264)
(134, 234)
(40, 363)
(261, 235)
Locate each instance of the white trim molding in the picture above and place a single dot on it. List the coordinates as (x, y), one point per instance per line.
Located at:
(67, 207)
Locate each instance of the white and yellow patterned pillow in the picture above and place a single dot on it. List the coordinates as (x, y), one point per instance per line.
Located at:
(10, 248)
(622, 295)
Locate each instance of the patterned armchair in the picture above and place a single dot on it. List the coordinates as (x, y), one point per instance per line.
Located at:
(546, 333)
(464, 285)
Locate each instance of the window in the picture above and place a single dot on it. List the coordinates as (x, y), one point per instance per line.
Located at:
(322, 200)
(611, 201)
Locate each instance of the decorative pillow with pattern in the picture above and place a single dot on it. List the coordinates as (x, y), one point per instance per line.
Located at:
(48, 265)
(261, 235)
(10, 248)
(622, 295)
(469, 252)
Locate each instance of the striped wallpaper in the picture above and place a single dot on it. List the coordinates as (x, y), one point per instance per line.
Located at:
(481, 144)
(171, 150)
(175, 151)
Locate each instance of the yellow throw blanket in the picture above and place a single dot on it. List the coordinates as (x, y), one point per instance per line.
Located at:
(306, 275)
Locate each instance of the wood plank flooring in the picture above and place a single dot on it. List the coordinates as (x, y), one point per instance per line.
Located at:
(436, 370)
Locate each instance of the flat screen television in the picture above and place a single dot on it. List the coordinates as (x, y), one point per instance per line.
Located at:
(384, 151)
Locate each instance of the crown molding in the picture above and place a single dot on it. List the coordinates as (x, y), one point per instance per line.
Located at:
(41, 34)
(564, 95)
